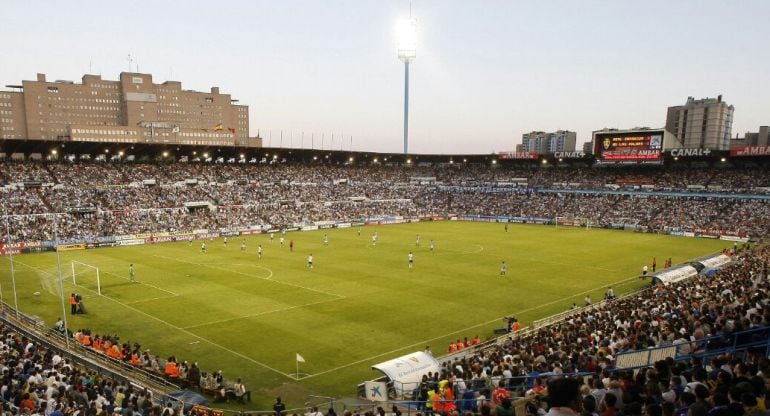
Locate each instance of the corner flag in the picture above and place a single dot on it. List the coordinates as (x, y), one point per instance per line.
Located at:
(300, 359)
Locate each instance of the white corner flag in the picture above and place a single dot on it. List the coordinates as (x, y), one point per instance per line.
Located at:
(300, 359)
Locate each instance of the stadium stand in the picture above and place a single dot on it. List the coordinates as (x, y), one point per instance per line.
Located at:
(717, 327)
(106, 199)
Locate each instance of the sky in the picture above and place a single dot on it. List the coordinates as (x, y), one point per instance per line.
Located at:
(486, 71)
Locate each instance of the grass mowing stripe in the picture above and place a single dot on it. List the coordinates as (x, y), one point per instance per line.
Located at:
(378, 308)
(179, 329)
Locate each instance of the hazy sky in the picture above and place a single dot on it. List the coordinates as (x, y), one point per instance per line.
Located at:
(486, 71)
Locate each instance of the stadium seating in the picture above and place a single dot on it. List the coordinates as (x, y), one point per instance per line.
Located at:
(105, 199)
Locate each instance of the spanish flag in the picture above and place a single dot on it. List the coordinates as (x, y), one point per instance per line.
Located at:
(219, 127)
(232, 130)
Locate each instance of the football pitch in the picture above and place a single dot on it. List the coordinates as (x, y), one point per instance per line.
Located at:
(359, 305)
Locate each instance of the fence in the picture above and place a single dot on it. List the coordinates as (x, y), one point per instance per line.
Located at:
(739, 342)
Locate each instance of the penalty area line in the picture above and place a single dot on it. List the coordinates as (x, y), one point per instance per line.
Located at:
(170, 325)
(288, 308)
(136, 302)
(142, 283)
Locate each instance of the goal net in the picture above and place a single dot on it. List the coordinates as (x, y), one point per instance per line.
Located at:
(86, 275)
(566, 221)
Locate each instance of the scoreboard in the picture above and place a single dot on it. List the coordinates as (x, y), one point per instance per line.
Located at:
(629, 146)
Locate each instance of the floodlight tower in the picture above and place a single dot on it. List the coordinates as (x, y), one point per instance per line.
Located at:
(407, 52)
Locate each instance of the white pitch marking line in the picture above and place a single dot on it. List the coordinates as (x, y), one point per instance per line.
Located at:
(479, 246)
(571, 265)
(150, 300)
(288, 308)
(252, 275)
(219, 263)
(141, 283)
(460, 330)
(214, 344)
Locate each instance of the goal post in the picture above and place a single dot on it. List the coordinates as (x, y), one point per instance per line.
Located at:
(74, 263)
(580, 222)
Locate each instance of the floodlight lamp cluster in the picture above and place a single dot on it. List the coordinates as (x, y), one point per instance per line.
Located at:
(407, 39)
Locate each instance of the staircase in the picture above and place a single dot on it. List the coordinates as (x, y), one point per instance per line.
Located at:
(44, 200)
(51, 173)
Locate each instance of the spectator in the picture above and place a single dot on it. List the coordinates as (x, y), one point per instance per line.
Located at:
(564, 397)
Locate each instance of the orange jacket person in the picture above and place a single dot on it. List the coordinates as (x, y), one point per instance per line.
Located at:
(172, 371)
(73, 304)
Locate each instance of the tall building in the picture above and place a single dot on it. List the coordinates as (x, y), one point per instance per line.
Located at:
(705, 123)
(542, 142)
(131, 110)
(760, 138)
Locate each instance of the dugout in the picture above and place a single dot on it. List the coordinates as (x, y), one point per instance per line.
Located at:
(708, 265)
(405, 372)
(674, 274)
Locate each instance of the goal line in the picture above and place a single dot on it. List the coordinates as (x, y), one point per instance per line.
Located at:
(73, 263)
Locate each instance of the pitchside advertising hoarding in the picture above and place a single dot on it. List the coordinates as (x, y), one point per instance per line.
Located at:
(629, 146)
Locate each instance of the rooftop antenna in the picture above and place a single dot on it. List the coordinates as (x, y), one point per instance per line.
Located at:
(129, 62)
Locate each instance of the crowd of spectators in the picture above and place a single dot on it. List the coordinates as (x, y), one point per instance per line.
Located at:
(37, 380)
(101, 199)
(696, 315)
(701, 317)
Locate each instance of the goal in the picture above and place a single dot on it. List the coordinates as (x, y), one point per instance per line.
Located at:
(86, 275)
(575, 222)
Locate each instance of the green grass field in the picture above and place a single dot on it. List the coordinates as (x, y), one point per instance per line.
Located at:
(358, 306)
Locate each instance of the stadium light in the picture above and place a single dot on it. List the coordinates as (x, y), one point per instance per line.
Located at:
(106, 150)
(243, 156)
(494, 162)
(561, 159)
(406, 32)
(465, 160)
(315, 157)
(165, 154)
(409, 161)
(54, 152)
(350, 159)
(120, 153)
(206, 155)
(724, 160)
(451, 161)
(375, 160)
(676, 158)
(545, 162)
